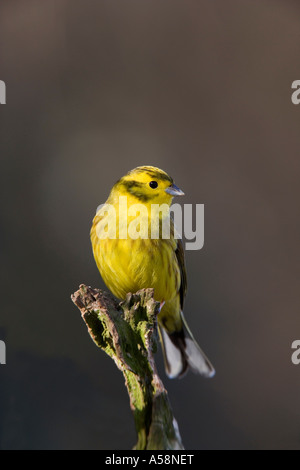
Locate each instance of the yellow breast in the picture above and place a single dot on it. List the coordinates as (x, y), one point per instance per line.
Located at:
(127, 265)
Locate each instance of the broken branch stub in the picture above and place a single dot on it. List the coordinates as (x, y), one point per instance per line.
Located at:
(127, 332)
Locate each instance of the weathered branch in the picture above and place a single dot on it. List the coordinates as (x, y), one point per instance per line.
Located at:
(127, 332)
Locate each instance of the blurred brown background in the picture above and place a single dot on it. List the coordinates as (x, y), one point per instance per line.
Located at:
(203, 90)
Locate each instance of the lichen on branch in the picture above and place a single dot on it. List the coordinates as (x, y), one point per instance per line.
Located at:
(127, 332)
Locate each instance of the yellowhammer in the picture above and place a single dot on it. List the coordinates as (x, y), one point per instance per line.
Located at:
(129, 263)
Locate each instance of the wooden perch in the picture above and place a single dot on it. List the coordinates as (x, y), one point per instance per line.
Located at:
(127, 332)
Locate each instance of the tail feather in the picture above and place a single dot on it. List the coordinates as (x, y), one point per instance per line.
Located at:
(181, 352)
(176, 364)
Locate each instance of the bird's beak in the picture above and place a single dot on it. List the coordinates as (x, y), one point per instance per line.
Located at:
(174, 190)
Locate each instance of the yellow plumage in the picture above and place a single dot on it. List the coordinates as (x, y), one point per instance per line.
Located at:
(127, 264)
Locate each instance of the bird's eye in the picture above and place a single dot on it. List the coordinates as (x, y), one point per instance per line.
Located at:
(153, 184)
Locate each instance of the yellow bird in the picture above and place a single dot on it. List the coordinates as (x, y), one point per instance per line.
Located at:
(131, 261)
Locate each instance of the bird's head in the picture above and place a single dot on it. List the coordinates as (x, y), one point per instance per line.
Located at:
(147, 185)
